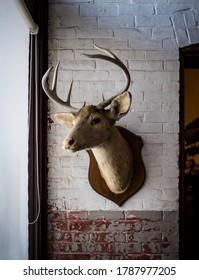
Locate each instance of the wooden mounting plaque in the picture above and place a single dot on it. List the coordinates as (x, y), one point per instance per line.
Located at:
(98, 183)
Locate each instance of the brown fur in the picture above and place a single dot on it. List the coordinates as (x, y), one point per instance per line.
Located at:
(91, 128)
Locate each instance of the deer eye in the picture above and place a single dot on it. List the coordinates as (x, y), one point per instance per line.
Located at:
(95, 121)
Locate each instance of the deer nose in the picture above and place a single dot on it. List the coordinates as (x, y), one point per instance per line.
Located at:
(71, 142)
(68, 143)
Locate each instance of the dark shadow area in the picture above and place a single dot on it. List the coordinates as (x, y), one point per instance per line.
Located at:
(189, 153)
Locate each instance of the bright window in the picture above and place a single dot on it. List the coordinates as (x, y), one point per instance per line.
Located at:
(14, 49)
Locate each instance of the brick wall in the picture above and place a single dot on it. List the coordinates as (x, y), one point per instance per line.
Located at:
(113, 235)
(146, 36)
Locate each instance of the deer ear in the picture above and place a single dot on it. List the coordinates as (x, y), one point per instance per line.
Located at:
(65, 119)
(120, 105)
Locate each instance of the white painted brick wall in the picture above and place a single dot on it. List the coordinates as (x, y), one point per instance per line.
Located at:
(146, 35)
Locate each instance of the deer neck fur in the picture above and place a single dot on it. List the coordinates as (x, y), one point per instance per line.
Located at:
(115, 162)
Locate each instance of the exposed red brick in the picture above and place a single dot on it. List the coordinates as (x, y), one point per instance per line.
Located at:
(58, 225)
(57, 216)
(59, 236)
(99, 236)
(87, 235)
(69, 256)
(76, 225)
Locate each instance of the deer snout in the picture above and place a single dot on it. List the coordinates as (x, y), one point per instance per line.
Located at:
(68, 143)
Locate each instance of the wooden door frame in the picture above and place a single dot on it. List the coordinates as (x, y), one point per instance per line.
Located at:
(187, 60)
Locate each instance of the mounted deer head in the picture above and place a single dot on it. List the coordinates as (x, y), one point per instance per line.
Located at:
(92, 128)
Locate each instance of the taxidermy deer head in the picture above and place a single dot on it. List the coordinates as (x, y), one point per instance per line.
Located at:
(92, 127)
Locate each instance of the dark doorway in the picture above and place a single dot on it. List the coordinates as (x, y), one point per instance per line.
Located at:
(189, 152)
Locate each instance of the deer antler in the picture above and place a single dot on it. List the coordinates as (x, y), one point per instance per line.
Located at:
(52, 93)
(114, 59)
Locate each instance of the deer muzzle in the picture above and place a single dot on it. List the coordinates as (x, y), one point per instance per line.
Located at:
(69, 144)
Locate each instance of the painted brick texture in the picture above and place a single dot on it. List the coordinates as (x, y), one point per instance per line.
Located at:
(113, 235)
(128, 29)
(146, 36)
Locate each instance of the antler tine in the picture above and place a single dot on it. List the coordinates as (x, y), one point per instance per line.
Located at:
(114, 59)
(52, 93)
